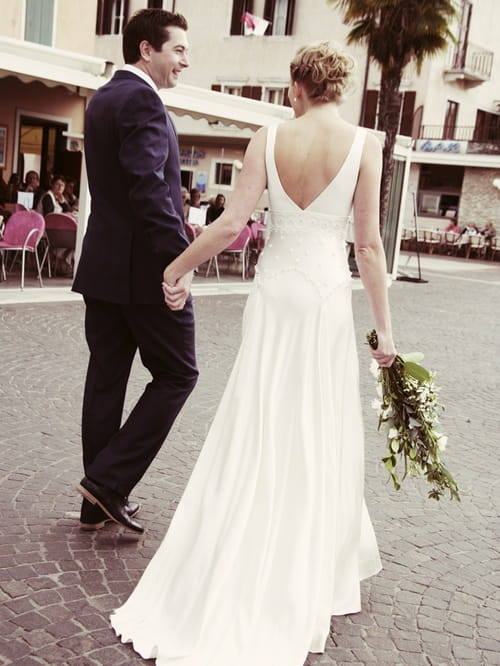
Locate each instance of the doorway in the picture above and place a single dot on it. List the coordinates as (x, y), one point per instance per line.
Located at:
(42, 148)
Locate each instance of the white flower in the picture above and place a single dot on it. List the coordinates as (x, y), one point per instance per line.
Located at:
(393, 433)
(374, 368)
(442, 442)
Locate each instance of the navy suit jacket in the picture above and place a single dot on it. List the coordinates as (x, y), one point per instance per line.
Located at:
(136, 223)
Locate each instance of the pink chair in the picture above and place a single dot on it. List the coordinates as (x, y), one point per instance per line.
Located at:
(23, 233)
(60, 229)
(240, 246)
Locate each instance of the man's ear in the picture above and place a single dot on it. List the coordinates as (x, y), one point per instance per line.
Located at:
(145, 49)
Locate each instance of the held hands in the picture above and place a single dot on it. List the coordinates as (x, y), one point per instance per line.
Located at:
(176, 293)
(385, 352)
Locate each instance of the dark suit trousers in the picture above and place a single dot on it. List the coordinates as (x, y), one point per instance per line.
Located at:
(114, 454)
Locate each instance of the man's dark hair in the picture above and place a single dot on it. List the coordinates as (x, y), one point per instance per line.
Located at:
(150, 25)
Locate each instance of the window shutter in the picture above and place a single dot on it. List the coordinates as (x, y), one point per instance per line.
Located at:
(239, 8)
(289, 17)
(370, 111)
(256, 92)
(104, 12)
(216, 87)
(406, 124)
(246, 91)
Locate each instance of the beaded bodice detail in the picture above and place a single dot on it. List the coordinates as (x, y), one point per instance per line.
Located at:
(310, 242)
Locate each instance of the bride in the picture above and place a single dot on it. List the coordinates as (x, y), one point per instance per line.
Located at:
(272, 536)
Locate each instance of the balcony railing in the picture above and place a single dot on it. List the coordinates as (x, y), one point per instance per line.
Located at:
(459, 133)
(471, 64)
(447, 132)
(458, 139)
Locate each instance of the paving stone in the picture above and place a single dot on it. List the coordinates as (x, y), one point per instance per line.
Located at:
(435, 602)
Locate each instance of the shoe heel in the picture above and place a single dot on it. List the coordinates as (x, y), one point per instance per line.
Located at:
(86, 494)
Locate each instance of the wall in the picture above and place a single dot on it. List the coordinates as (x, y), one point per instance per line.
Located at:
(217, 57)
(12, 19)
(480, 201)
(75, 28)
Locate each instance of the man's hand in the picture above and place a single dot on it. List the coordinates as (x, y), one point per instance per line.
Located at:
(177, 294)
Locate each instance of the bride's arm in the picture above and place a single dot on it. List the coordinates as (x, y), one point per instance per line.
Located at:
(221, 233)
(370, 256)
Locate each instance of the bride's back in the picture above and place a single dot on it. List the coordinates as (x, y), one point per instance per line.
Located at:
(310, 151)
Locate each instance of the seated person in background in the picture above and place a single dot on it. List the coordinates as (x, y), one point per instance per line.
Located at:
(185, 202)
(69, 194)
(53, 201)
(489, 232)
(13, 187)
(195, 198)
(194, 202)
(216, 209)
(453, 226)
(470, 229)
(32, 184)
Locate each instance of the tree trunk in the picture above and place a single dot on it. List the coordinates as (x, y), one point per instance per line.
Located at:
(388, 122)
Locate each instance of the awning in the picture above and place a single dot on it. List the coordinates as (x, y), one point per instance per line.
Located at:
(53, 67)
(227, 109)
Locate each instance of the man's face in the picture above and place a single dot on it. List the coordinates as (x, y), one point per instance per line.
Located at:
(165, 66)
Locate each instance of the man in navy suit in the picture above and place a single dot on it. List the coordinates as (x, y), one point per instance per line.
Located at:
(135, 229)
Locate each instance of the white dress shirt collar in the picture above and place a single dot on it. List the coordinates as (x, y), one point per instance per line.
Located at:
(142, 75)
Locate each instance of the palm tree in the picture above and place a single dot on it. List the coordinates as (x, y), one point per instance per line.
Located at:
(395, 33)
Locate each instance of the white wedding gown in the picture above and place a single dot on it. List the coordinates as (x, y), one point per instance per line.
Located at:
(272, 536)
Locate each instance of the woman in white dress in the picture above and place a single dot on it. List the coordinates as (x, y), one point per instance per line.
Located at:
(272, 537)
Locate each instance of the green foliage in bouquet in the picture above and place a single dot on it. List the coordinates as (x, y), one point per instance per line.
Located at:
(408, 407)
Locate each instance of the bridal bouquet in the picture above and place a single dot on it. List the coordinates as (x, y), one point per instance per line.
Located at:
(408, 407)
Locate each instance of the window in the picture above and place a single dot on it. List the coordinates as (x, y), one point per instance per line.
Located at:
(274, 95)
(223, 173)
(111, 16)
(39, 21)
(487, 127)
(439, 190)
(279, 13)
(239, 8)
(370, 111)
(155, 4)
(450, 120)
(232, 90)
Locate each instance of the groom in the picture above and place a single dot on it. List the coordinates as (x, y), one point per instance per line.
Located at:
(134, 230)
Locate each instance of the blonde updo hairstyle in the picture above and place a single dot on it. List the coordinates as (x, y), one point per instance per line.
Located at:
(323, 70)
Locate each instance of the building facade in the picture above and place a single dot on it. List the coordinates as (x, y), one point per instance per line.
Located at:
(451, 109)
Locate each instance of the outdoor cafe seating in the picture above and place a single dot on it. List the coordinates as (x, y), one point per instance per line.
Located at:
(449, 243)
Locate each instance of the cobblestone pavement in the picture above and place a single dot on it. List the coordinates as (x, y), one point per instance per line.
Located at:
(437, 600)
